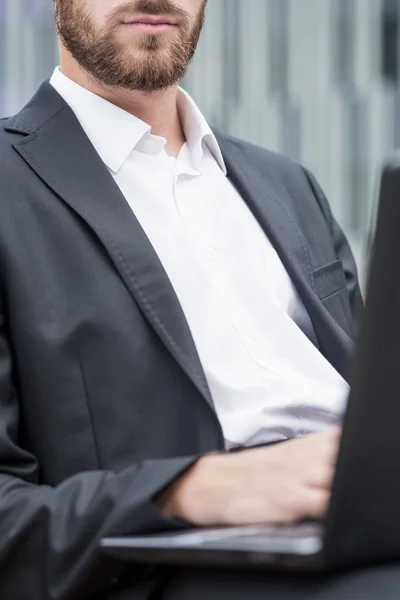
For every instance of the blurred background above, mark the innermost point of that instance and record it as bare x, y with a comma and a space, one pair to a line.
315, 79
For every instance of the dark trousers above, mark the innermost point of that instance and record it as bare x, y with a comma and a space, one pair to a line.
373, 583
379, 583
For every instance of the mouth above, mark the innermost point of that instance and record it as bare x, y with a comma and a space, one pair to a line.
151, 24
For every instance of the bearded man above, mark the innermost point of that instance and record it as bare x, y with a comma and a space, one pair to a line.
169, 296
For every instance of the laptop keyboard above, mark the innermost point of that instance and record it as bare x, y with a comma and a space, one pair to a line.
272, 538
284, 531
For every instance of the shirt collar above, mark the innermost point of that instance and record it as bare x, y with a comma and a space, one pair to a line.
114, 132
197, 131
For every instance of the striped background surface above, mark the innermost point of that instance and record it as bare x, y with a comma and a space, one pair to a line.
315, 79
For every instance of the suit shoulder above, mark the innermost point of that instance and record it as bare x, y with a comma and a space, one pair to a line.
7, 138
265, 159
3, 132
11, 167
282, 175
277, 169
3, 121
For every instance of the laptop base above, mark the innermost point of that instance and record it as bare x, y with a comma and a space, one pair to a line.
286, 547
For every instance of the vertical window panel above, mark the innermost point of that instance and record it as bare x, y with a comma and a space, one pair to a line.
344, 49
278, 47
231, 49
390, 41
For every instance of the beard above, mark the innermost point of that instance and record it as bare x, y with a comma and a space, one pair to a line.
145, 63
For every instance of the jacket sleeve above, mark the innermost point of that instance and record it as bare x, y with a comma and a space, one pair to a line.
49, 536
342, 247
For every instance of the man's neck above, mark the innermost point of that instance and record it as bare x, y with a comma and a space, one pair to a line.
158, 109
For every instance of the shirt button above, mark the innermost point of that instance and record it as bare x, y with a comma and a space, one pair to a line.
254, 333
211, 254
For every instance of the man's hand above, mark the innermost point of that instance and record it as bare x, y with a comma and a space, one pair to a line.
280, 484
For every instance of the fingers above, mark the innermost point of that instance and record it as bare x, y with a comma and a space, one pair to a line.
315, 502
329, 438
321, 476
331, 435
295, 484
324, 445
331, 445
321, 469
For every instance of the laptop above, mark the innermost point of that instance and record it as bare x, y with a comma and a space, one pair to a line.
363, 521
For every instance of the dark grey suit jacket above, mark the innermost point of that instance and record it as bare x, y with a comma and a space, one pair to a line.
103, 400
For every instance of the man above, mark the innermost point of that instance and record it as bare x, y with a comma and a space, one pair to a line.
169, 296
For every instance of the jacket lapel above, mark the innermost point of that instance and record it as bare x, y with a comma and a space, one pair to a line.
271, 213
57, 149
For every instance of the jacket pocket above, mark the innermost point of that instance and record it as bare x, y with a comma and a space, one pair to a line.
329, 279
330, 283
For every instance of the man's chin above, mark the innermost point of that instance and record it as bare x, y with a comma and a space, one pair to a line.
140, 79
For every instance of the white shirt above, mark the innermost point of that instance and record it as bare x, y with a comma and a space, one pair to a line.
267, 380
